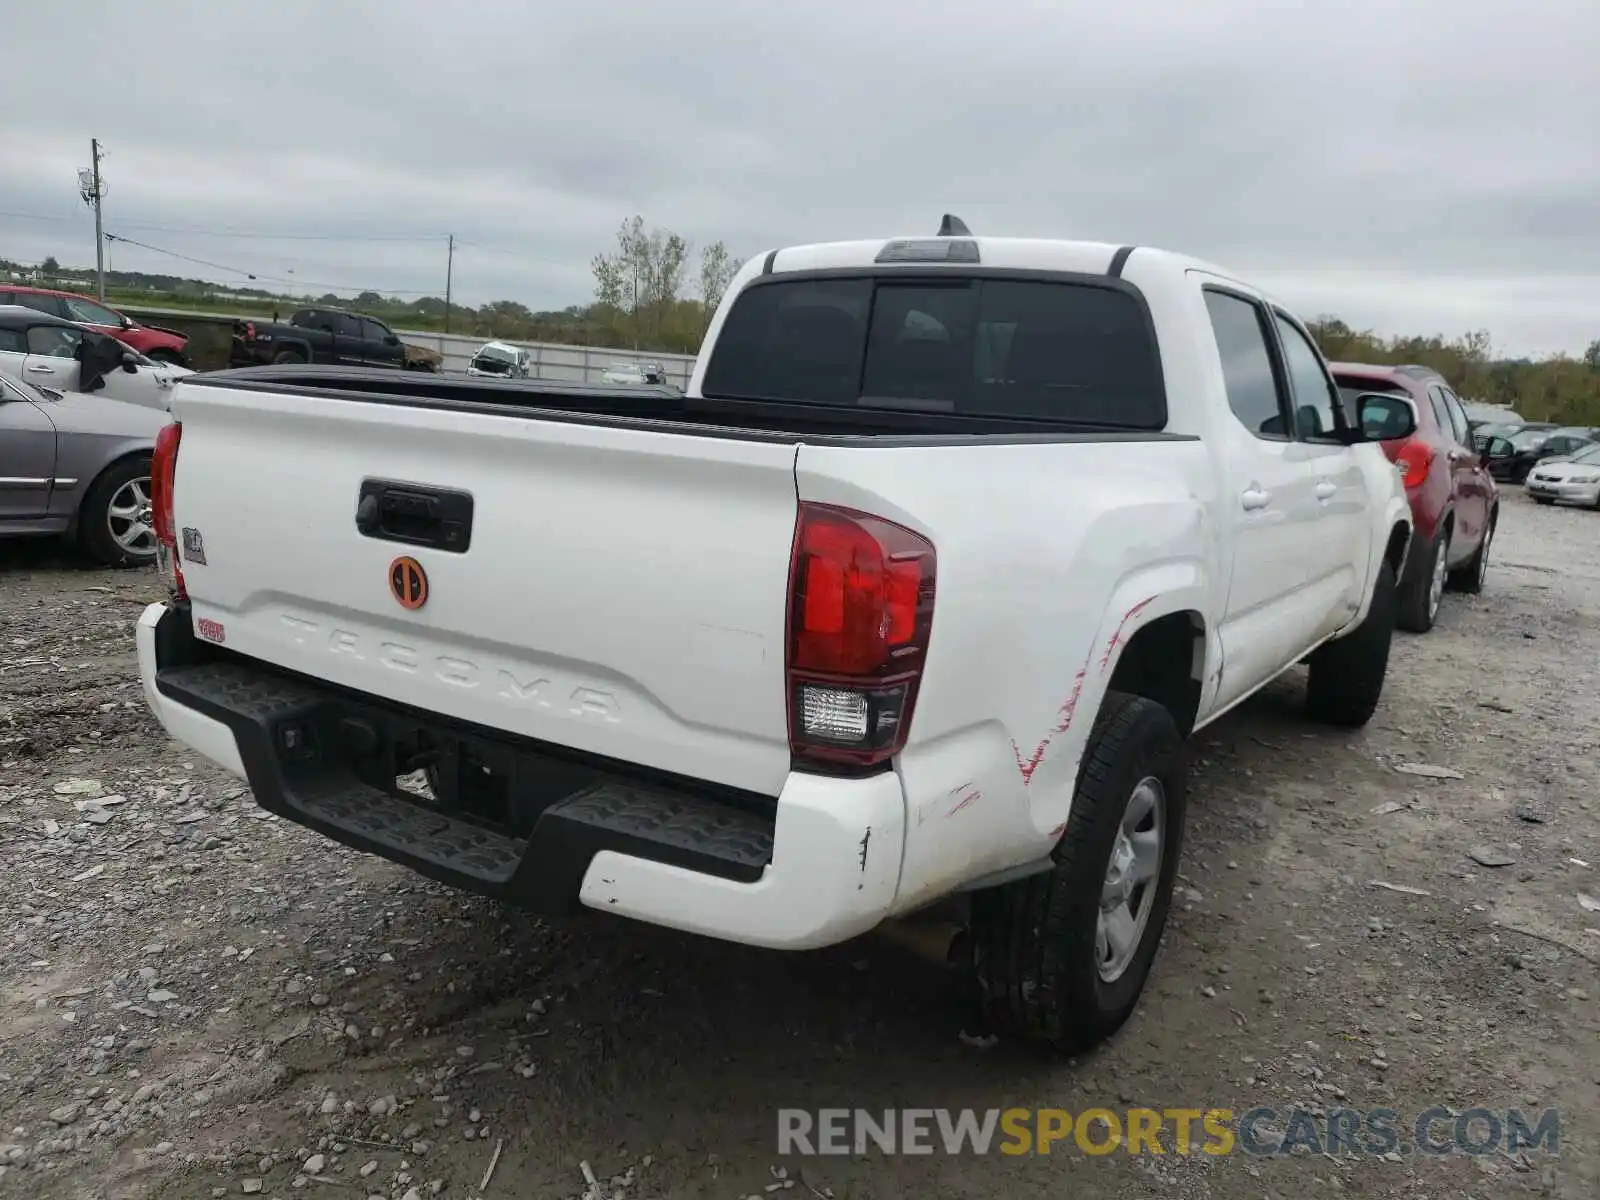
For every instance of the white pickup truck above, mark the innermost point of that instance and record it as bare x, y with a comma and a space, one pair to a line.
913, 594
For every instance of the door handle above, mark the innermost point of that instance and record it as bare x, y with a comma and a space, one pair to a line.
41, 370
1325, 490
1255, 497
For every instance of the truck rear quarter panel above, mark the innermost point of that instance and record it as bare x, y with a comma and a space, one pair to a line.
1050, 558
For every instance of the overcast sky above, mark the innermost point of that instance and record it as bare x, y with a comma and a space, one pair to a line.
1413, 165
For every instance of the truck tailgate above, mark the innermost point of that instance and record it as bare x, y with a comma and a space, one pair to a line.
623, 592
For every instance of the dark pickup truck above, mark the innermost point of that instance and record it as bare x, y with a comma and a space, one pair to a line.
326, 335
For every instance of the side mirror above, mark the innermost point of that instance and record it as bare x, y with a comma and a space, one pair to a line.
1499, 447
1384, 418
391, 340
130, 364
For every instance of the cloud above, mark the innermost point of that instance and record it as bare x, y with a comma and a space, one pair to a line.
1417, 167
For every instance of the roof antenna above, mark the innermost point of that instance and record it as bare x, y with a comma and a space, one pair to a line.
953, 226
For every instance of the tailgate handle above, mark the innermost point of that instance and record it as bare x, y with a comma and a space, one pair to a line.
415, 514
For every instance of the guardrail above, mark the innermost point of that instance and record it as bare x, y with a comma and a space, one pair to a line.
211, 334
551, 360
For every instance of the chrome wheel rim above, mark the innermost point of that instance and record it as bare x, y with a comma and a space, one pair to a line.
130, 518
1128, 894
1436, 583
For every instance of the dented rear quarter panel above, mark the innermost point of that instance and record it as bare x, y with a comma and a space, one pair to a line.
1050, 558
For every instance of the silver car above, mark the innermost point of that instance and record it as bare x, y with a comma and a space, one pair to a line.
1574, 478
80, 466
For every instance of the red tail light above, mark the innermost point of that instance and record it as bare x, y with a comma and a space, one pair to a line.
860, 611
1412, 460
163, 470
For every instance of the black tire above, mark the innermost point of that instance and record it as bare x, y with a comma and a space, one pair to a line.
1543, 500
286, 357
1346, 676
1417, 608
94, 515
1034, 952
1469, 576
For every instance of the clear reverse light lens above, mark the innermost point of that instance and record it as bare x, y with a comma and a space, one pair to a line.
834, 714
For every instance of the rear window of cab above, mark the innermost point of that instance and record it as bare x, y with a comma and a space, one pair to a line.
1061, 352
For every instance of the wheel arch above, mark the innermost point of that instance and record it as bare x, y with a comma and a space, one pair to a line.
1399, 544
1165, 661
86, 489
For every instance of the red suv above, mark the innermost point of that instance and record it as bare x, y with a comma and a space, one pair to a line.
1454, 500
163, 345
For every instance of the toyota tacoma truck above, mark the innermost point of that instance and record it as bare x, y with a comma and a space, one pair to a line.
913, 595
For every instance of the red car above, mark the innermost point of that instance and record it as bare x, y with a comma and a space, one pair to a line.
163, 345
1454, 500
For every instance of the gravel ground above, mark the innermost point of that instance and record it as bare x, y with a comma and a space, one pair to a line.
202, 1000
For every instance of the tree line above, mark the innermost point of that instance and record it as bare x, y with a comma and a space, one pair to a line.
1556, 388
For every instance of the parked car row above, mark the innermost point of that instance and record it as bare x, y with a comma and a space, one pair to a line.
1512, 457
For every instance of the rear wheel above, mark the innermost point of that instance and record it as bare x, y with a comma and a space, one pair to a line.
1421, 596
285, 357
1347, 673
1062, 957
116, 523
1469, 576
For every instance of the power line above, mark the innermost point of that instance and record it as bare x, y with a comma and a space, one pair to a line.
247, 235
16, 216
259, 277
254, 235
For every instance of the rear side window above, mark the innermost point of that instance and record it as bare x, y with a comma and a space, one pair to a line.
54, 341
985, 347
44, 304
1246, 364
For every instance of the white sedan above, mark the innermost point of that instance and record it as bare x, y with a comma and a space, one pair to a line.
49, 352
1575, 478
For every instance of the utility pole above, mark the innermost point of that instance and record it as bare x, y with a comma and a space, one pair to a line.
449, 277
93, 189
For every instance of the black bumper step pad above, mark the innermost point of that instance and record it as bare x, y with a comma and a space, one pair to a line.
281, 722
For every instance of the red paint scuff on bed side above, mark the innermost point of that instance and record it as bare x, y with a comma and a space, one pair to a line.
1027, 766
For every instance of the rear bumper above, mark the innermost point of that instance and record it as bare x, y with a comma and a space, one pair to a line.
818, 866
